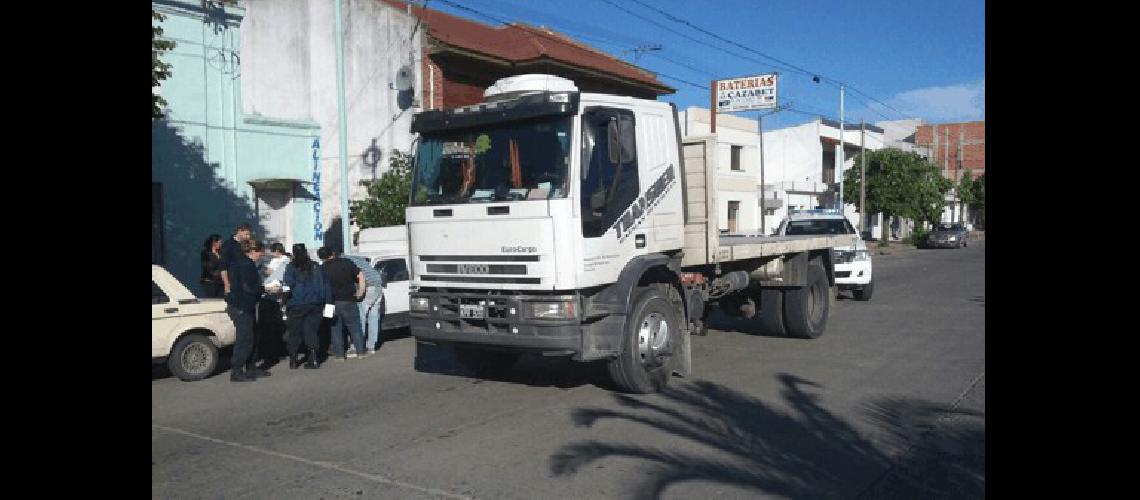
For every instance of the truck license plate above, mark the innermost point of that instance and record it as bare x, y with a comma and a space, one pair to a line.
470, 311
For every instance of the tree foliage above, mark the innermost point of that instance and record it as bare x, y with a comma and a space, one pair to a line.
159, 70
899, 183
387, 196
965, 188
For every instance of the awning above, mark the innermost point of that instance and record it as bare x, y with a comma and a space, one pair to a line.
278, 182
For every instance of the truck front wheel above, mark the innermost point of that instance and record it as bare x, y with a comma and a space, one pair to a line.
652, 334
806, 308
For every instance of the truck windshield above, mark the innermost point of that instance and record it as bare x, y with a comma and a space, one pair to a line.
525, 160
820, 226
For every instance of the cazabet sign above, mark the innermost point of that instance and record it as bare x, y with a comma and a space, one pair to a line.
742, 94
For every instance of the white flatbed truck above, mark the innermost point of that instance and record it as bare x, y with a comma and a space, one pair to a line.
577, 224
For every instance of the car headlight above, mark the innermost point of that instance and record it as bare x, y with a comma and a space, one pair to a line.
419, 304
562, 309
862, 255
951, 238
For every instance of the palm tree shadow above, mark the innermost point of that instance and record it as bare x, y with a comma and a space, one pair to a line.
807, 452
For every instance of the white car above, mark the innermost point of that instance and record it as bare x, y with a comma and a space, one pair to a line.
386, 248
852, 263
186, 331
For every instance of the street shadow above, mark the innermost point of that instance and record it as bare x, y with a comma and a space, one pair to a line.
531, 369
945, 450
807, 452
196, 202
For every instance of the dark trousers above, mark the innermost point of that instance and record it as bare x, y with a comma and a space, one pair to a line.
212, 290
244, 341
303, 322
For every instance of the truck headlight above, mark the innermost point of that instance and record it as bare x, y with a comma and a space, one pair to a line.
419, 304
862, 255
562, 309
951, 238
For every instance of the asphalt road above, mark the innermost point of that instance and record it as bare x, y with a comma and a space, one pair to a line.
889, 403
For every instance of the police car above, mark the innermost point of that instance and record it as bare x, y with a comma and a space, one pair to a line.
852, 263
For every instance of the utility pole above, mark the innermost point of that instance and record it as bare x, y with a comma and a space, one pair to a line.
342, 119
862, 177
763, 204
712, 107
946, 159
839, 157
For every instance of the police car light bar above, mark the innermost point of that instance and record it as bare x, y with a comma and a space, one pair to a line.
817, 211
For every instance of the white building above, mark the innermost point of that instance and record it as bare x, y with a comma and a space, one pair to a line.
800, 163
289, 75
739, 161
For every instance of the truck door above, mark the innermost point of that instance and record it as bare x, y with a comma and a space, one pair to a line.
610, 191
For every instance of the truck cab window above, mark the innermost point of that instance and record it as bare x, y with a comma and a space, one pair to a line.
609, 168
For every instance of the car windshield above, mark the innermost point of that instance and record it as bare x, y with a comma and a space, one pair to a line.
525, 160
820, 226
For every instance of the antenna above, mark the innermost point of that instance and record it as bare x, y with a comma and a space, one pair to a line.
640, 50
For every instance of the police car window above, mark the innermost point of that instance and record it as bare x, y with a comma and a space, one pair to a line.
157, 296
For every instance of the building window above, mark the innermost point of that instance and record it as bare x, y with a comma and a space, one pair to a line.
736, 157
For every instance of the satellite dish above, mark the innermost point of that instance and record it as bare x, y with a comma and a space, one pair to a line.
404, 78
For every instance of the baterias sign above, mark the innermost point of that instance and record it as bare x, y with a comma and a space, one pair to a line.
743, 94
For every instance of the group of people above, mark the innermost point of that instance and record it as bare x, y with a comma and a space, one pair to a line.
343, 289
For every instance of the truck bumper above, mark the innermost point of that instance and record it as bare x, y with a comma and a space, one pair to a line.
853, 274
506, 326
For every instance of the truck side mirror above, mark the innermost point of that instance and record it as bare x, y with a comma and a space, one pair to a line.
613, 141
628, 140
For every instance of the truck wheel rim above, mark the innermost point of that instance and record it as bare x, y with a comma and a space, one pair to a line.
651, 337
815, 303
195, 358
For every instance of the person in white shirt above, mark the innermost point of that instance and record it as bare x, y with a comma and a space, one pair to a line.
275, 270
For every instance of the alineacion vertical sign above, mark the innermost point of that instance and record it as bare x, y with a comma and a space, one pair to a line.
318, 228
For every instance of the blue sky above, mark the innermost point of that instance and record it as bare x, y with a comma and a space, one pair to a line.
924, 59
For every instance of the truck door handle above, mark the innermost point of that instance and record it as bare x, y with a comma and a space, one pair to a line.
170, 310
639, 241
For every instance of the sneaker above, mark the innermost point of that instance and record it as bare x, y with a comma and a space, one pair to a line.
367, 353
352, 355
351, 350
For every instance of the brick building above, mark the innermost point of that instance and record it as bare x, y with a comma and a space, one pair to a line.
955, 147
463, 57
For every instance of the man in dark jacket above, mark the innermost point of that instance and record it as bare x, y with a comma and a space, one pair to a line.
231, 252
309, 291
347, 283
241, 305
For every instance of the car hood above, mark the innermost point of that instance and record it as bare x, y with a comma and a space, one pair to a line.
943, 234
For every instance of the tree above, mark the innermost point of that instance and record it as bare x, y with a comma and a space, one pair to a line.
965, 190
387, 196
899, 183
978, 204
159, 70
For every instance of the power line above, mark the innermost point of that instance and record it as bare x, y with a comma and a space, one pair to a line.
791, 66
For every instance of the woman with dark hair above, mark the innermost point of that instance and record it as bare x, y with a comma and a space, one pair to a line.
308, 292
211, 259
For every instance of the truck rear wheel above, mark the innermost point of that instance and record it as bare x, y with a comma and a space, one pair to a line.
772, 312
485, 361
806, 308
652, 332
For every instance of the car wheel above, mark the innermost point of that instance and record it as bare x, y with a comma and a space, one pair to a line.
806, 308
194, 357
652, 334
864, 294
